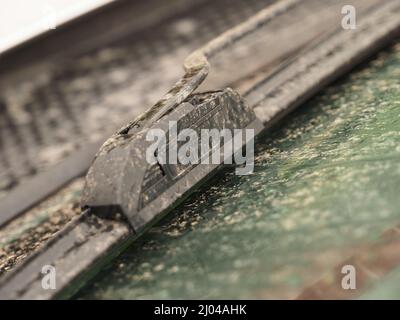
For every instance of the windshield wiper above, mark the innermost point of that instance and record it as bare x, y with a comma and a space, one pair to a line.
124, 195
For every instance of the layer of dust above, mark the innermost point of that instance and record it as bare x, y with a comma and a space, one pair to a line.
28, 233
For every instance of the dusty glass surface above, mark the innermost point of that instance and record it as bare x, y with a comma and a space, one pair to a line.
325, 182
387, 290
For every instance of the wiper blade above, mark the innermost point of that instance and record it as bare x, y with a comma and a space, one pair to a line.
98, 235
121, 180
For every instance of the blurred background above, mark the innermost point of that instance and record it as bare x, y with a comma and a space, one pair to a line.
326, 182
